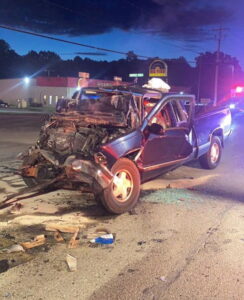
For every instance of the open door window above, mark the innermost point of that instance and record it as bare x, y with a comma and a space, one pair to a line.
167, 134
182, 111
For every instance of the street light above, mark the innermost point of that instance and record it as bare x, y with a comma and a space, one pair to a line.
27, 80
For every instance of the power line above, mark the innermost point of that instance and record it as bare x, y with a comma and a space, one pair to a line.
185, 48
75, 43
69, 42
131, 4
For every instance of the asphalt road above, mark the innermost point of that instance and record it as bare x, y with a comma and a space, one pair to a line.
181, 242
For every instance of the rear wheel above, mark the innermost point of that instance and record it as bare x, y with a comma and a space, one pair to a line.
123, 192
211, 159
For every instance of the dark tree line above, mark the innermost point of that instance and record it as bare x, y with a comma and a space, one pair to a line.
200, 78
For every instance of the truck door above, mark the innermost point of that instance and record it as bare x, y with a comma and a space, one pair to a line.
167, 137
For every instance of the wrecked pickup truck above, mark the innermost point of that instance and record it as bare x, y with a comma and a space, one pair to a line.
110, 140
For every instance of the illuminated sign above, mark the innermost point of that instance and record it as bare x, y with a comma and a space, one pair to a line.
136, 75
116, 78
82, 82
158, 68
84, 75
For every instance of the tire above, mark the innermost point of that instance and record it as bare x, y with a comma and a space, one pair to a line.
32, 181
116, 198
211, 159
29, 181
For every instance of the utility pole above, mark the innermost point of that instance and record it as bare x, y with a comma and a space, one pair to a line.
220, 31
199, 78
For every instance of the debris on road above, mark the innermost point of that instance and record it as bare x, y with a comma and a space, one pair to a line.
4, 265
103, 239
57, 236
163, 278
176, 196
98, 232
71, 262
141, 243
16, 208
133, 212
38, 241
30, 191
158, 240
74, 241
132, 270
14, 248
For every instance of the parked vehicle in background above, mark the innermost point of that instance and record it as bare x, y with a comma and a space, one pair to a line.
235, 101
110, 140
3, 104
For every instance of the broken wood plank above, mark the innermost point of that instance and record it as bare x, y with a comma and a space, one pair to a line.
74, 241
58, 237
61, 228
38, 241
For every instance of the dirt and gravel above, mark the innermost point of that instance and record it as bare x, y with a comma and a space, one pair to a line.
184, 240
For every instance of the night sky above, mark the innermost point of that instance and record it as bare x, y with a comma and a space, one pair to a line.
163, 28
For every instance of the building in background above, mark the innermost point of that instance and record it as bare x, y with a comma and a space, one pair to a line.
46, 91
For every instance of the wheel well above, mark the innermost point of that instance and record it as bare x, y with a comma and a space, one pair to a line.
132, 154
219, 133
133, 157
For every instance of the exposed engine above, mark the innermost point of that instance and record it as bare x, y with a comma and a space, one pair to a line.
64, 137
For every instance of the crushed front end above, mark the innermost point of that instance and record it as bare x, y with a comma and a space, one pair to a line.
69, 143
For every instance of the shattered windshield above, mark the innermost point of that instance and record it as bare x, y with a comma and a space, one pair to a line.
91, 102
97, 103
109, 107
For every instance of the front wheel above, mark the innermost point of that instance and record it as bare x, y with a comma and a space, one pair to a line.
123, 192
211, 159
43, 172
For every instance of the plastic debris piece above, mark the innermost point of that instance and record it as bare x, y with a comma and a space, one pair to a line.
163, 278
71, 262
103, 239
